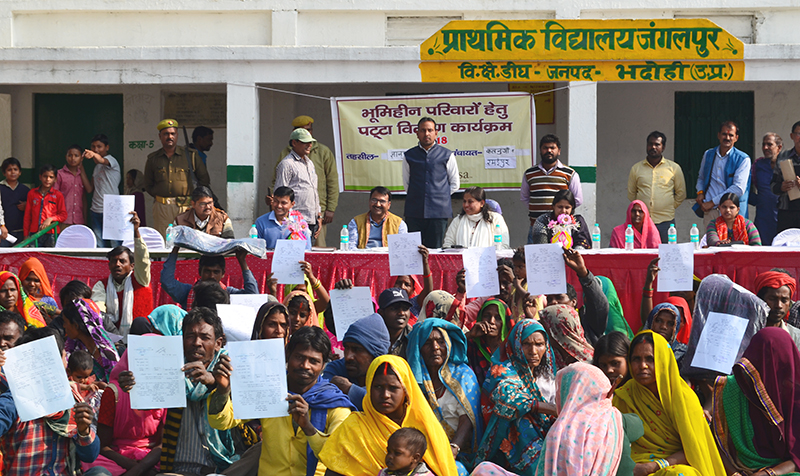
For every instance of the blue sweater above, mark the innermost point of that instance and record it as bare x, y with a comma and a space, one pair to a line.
179, 292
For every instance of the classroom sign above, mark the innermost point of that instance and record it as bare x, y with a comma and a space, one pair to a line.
491, 135
582, 50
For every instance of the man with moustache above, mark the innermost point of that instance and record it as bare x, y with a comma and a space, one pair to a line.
369, 230
762, 196
541, 183
365, 339
316, 408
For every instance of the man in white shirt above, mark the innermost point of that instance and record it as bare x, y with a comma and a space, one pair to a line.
106, 177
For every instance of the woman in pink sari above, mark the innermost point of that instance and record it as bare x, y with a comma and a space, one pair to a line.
129, 439
645, 233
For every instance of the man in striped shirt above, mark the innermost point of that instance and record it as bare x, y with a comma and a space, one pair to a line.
542, 182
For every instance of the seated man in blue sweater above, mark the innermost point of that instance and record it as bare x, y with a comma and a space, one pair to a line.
210, 268
43, 446
365, 339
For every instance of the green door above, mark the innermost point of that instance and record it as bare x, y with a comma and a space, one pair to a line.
698, 116
65, 119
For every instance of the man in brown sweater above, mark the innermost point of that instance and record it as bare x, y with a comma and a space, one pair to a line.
204, 217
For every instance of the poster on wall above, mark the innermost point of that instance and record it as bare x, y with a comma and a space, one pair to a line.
491, 134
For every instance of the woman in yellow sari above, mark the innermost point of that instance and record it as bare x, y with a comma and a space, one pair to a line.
677, 439
358, 446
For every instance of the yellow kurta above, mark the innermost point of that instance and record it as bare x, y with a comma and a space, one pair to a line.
283, 447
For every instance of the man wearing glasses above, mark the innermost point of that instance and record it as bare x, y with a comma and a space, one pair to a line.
204, 217
370, 229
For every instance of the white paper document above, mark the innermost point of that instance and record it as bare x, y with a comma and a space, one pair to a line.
37, 379
258, 381
237, 321
250, 300
117, 217
404, 257
545, 269
156, 363
677, 267
481, 272
350, 305
286, 261
719, 342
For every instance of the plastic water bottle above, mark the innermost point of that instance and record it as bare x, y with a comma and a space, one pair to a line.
344, 239
629, 238
596, 237
498, 237
170, 237
253, 231
672, 234
694, 236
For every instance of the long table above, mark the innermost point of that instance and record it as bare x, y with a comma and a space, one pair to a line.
625, 269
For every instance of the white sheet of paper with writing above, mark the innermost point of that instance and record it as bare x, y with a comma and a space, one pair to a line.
250, 300
286, 261
677, 267
545, 269
237, 321
719, 342
500, 157
156, 363
350, 305
404, 257
258, 382
37, 379
117, 217
481, 272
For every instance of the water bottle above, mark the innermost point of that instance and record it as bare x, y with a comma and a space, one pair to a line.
498, 237
344, 239
596, 237
694, 236
253, 232
672, 234
629, 238
170, 237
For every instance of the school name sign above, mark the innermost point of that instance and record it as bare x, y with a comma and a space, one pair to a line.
489, 133
582, 50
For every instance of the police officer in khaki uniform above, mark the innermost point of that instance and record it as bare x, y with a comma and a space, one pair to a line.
168, 178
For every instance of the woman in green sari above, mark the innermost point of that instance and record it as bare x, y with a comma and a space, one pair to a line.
756, 411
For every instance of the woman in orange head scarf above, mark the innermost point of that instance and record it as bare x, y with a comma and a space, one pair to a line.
13, 298
35, 282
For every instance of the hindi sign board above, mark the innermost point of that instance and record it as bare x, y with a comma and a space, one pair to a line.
371, 134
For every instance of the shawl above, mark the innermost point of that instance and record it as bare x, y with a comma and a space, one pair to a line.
648, 238
674, 419
769, 362
321, 397
564, 326
512, 429
587, 437
358, 446
774, 279
739, 229
138, 182
679, 349
112, 302
717, 293
616, 318
442, 305
472, 231
90, 315
505, 315
455, 374
167, 320
682, 335
33, 265
25, 305
312, 320
265, 310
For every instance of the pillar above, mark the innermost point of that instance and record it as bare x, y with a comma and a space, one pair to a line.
242, 169
582, 139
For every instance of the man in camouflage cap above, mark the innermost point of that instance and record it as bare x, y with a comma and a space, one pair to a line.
170, 175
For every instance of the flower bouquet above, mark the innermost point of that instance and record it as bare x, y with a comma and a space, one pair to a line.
562, 228
297, 226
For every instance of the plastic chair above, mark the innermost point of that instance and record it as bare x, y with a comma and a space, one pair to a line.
152, 238
77, 236
789, 237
